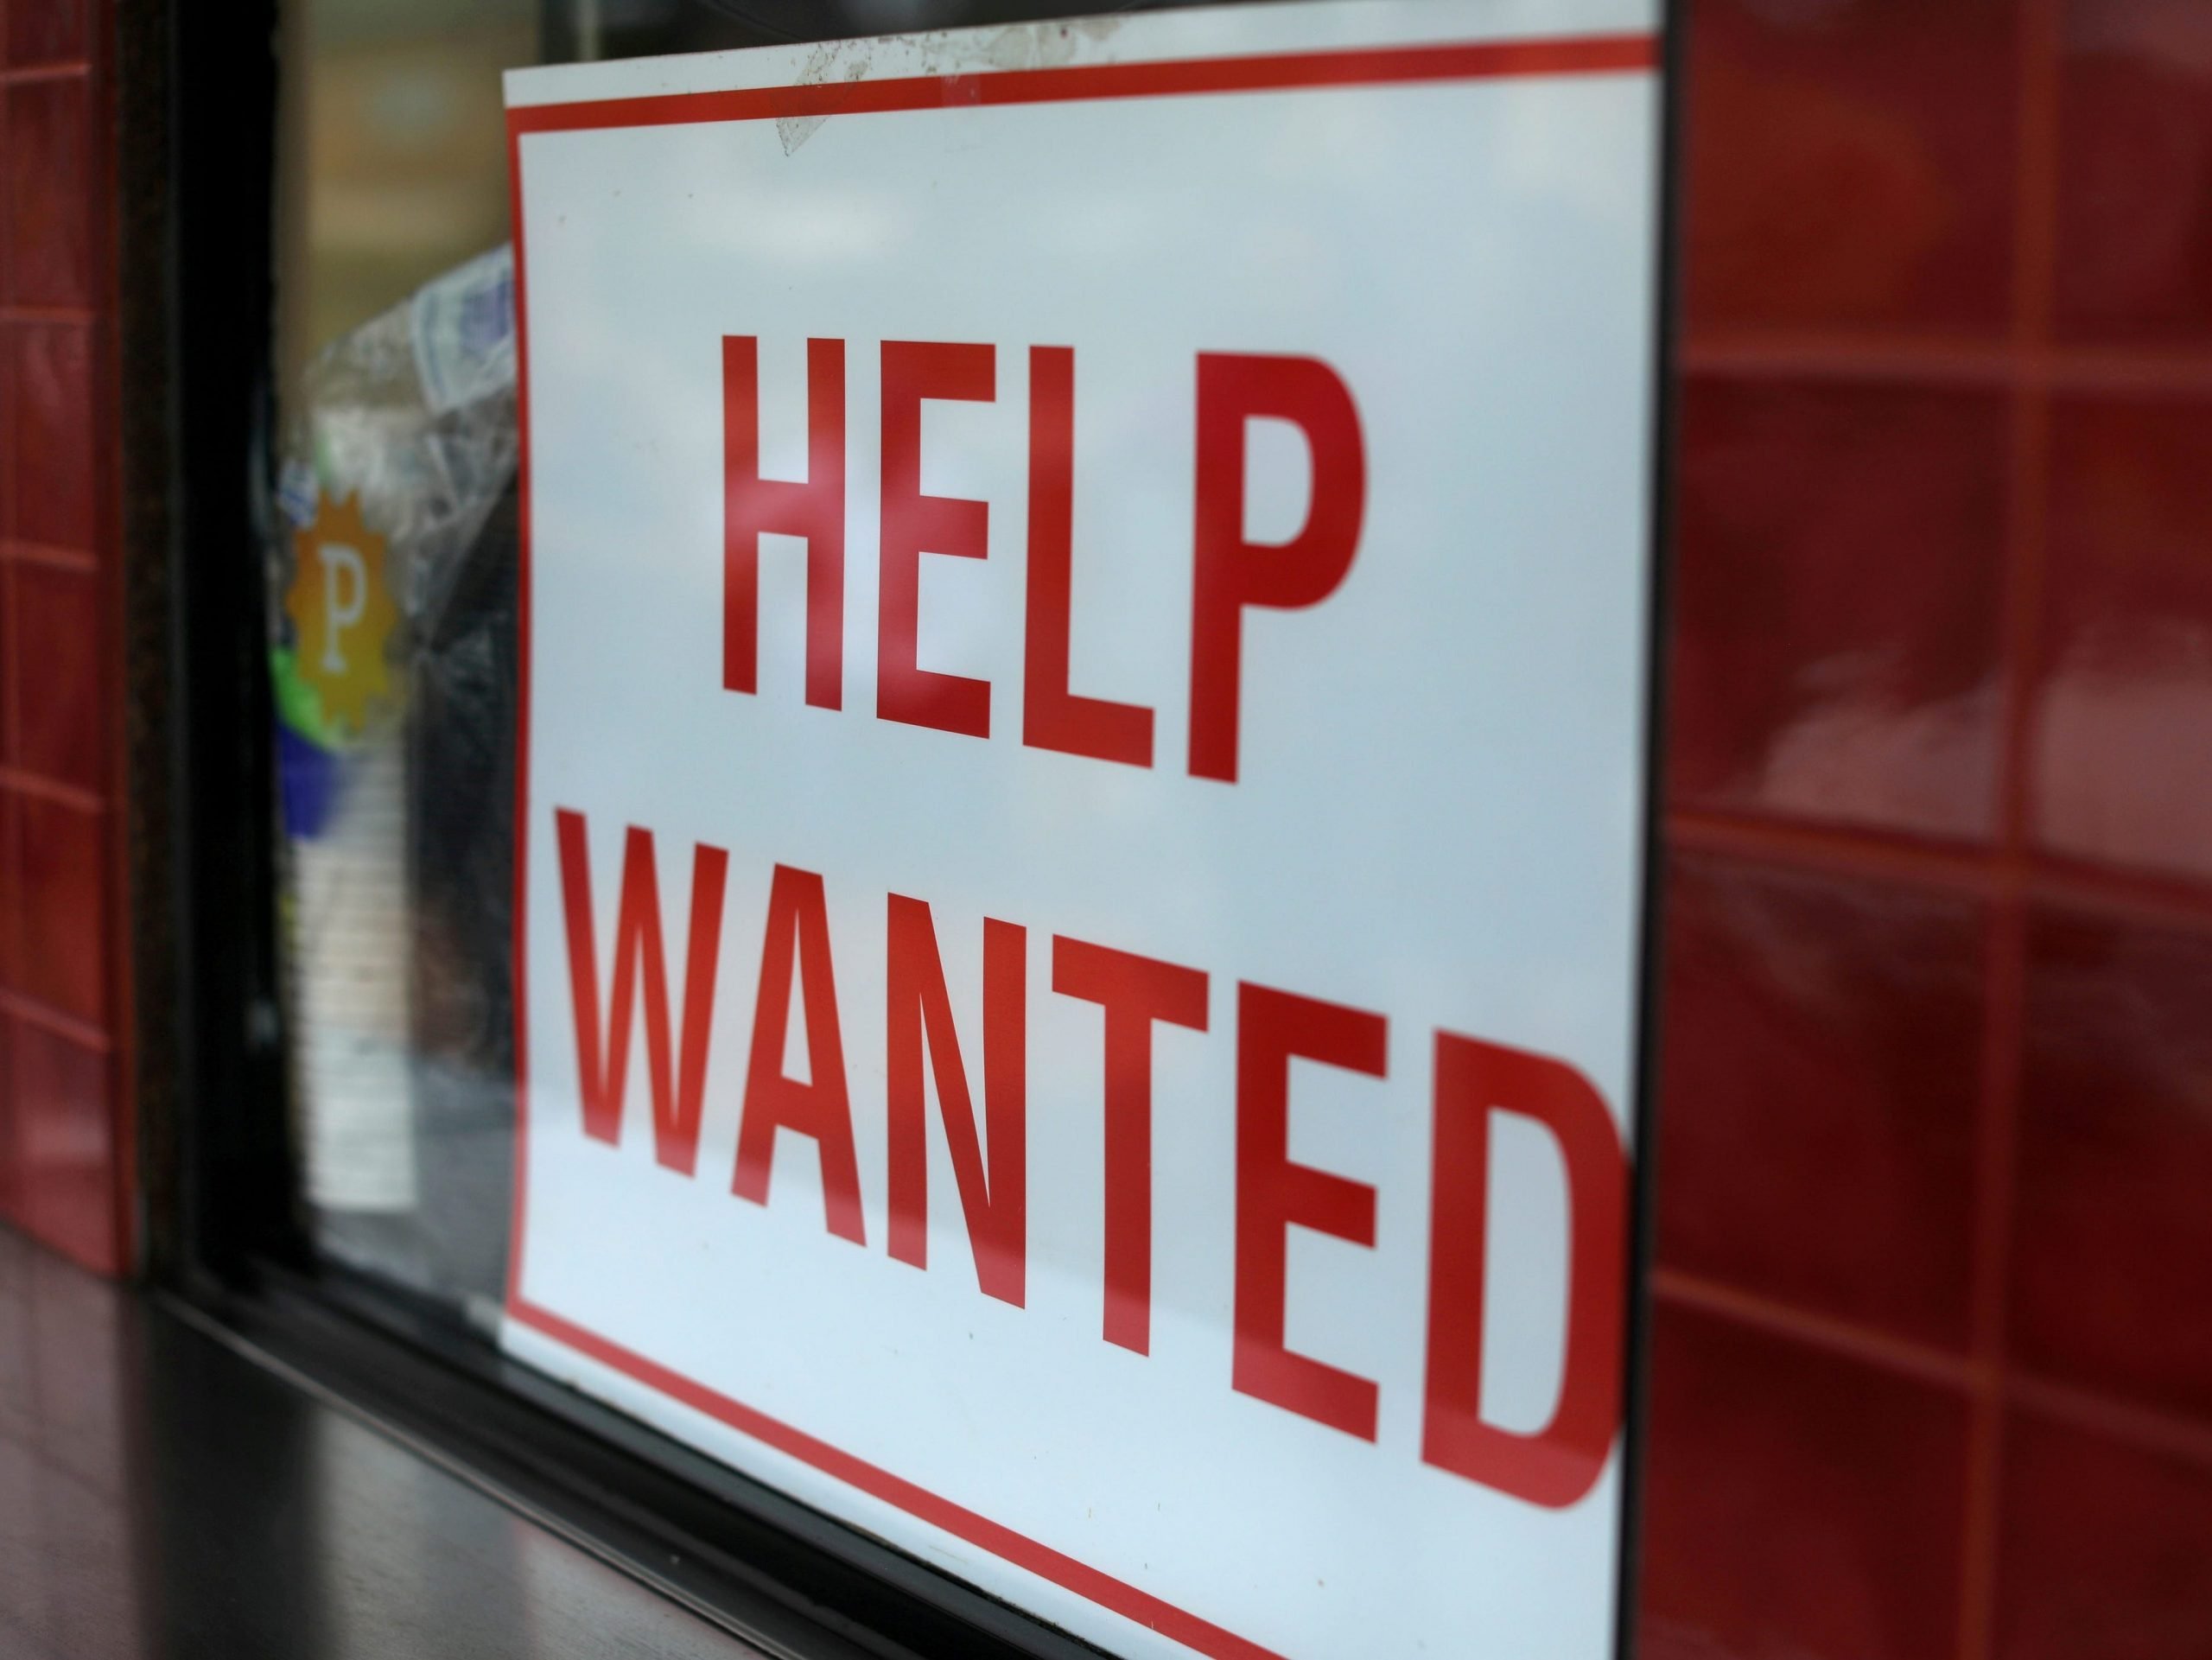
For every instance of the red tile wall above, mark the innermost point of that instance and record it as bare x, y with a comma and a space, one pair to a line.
65, 1134
1932, 1349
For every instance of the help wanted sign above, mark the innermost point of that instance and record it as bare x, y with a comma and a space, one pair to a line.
1086, 604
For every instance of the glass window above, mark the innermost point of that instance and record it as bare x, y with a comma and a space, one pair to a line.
1407, 300
390, 565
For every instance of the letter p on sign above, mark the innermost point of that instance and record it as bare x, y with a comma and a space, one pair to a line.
345, 598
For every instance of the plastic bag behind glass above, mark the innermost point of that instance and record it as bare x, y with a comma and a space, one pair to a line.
393, 655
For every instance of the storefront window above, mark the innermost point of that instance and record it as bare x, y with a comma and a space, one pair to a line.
956, 1022
391, 590
390, 561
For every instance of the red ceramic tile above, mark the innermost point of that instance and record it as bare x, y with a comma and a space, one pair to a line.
62, 925
7, 645
48, 162
46, 31
67, 1146
1818, 1102
2113, 1247
2106, 1552
57, 684
1850, 163
2135, 172
11, 349
1836, 626
11, 1186
50, 415
2124, 699
1795, 1503
10, 852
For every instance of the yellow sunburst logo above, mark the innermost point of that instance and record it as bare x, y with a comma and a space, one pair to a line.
342, 613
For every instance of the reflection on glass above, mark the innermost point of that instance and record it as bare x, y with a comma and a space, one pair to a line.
390, 547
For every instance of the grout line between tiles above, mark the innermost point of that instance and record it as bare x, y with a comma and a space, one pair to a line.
11, 689
33, 1011
15, 551
41, 788
1900, 1355
32, 74
2145, 1429
1964, 872
1906, 361
34, 316
1960, 871
2146, 900
1997, 1113
2004, 1012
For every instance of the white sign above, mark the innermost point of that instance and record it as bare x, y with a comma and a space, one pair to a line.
1086, 604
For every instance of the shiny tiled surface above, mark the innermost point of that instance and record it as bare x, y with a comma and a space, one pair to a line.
61, 1112
50, 163
1931, 1374
161, 1496
2125, 668
58, 694
2112, 1288
40, 33
61, 940
2135, 221
50, 417
64, 1140
1836, 652
1849, 162
1795, 1507
2103, 1549
1821, 1085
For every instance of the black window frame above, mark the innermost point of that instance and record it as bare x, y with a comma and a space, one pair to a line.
225, 1241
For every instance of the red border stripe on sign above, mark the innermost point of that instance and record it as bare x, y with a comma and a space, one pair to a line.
1586, 54
879, 1483
1458, 62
